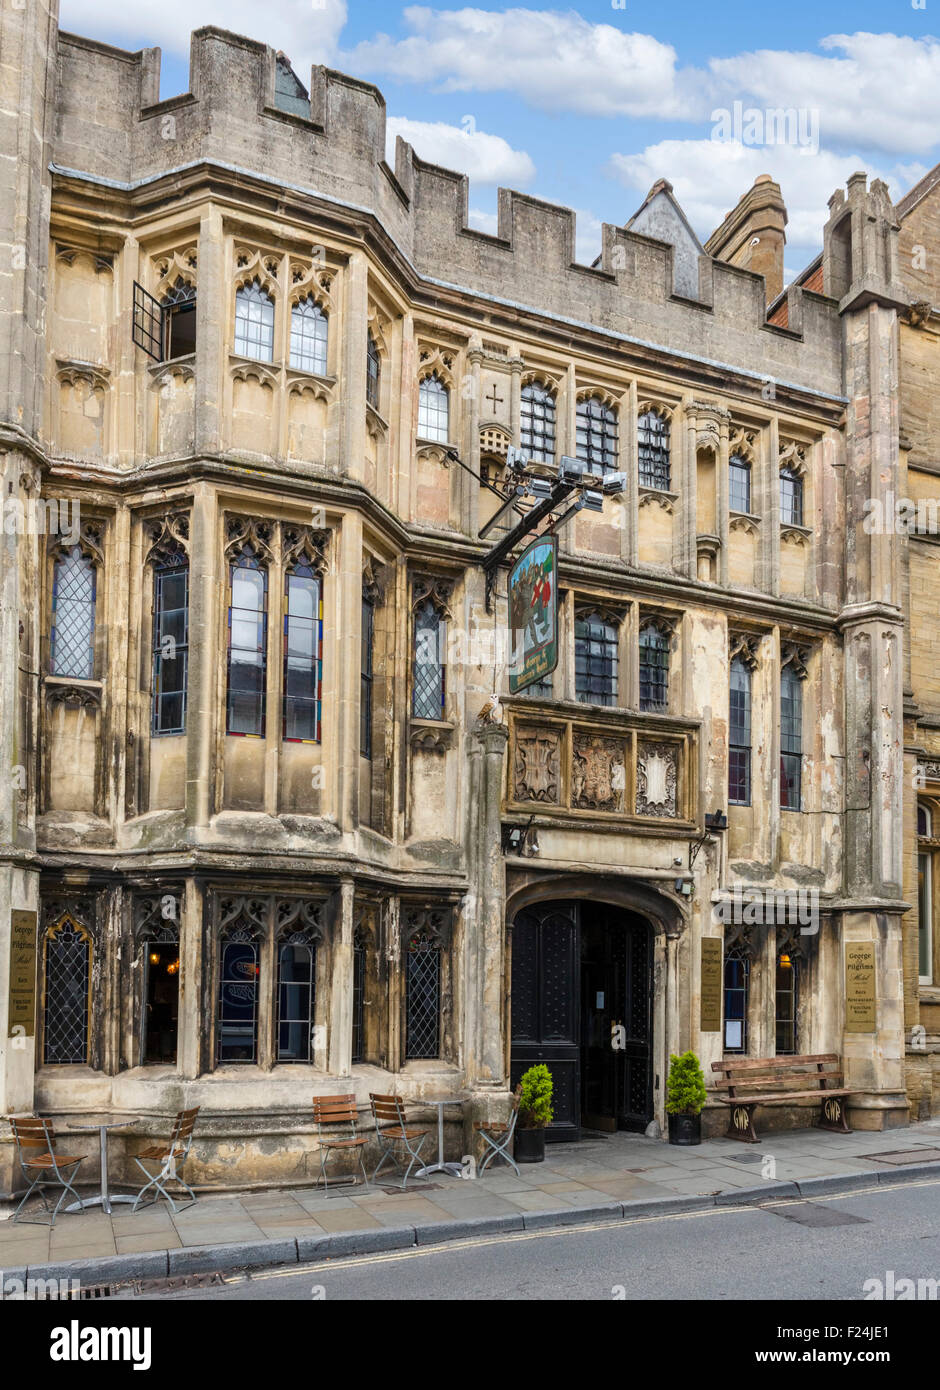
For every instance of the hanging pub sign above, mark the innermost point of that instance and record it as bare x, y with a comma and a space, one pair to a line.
533, 614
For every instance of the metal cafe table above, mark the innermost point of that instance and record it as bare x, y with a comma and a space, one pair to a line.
105, 1198
440, 1166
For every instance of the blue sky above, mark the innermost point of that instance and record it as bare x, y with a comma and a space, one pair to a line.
587, 105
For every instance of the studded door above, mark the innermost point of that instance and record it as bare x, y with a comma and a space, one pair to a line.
546, 993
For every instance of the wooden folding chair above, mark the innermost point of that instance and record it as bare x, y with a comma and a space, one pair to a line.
391, 1129
170, 1158
41, 1166
338, 1113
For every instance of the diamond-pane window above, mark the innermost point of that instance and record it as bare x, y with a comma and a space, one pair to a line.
429, 672
67, 976
653, 450
597, 435
254, 323
537, 427
309, 334
654, 668
423, 996
433, 410
73, 616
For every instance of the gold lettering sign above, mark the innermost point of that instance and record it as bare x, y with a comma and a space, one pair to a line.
860, 987
711, 985
22, 1013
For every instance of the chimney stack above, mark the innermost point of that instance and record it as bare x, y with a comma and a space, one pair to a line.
752, 235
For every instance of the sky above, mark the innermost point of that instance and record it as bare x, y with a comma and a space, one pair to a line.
587, 106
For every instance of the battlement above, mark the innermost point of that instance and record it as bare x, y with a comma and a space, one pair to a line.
112, 126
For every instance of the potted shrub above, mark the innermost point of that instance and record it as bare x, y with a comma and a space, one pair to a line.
534, 1099
685, 1099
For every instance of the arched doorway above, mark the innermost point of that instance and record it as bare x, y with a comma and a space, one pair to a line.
581, 1002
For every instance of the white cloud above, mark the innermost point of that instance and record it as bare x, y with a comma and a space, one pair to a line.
306, 31
709, 177
485, 158
555, 61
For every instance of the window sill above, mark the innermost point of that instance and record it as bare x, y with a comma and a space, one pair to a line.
433, 735
789, 528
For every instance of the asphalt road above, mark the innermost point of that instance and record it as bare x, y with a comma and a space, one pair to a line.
824, 1249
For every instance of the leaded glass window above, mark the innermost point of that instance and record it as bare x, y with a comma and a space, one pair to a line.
239, 971
373, 372
170, 645
597, 435
596, 658
739, 737
359, 996
791, 498
254, 323
296, 998
423, 996
73, 615
367, 639
67, 983
433, 410
179, 320
309, 334
654, 668
247, 646
653, 450
537, 428
737, 983
739, 485
787, 986
791, 739
429, 675
303, 655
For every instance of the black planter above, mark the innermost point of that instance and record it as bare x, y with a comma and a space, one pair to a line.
529, 1145
685, 1129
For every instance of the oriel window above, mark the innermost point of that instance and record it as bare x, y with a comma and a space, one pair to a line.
537, 427
247, 646
791, 739
254, 323
596, 659
303, 655
309, 333
739, 485
791, 498
653, 450
654, 668
73, 616
739, 734
429, 683
170, 645
433, 410
597, 435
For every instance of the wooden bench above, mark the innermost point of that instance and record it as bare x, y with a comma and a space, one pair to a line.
753, 1081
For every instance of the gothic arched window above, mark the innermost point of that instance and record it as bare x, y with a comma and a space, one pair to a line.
73, 615
652, 434
254, 322
597, 435
654, 668
66, 996
537, 428
247, 645
433, 410
309, 335
303, 654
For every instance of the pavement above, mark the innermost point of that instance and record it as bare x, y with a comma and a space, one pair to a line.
603, 1177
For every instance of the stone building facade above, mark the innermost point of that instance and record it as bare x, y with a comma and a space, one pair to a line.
253, 827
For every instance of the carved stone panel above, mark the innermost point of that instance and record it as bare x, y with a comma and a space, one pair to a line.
598, 774
537, 765
657, 778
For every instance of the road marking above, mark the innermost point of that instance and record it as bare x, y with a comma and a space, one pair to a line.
497, 1238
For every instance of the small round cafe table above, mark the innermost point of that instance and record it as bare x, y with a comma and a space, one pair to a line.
105, 1198
440, 1166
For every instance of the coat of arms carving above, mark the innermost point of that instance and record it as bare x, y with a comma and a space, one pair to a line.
537, 766
656, 779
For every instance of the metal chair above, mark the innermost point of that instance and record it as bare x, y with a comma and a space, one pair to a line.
391, 1128
499, 1136
170, 1158
338, 1112
35, 1148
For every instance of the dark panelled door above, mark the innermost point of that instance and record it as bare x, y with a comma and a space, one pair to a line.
635, 1083
616, 1059
546, 994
